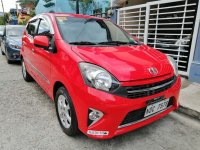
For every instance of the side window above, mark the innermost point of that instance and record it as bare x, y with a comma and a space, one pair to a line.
32, 28
43, 27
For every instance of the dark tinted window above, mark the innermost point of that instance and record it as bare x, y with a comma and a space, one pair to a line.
32, 28
43, 27
91, 30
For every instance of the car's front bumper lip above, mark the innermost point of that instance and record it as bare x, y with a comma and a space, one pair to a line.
143, 119
115, 108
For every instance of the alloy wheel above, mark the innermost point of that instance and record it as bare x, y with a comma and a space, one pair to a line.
64, 111
23, 69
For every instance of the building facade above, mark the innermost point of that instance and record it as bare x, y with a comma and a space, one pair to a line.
195, 66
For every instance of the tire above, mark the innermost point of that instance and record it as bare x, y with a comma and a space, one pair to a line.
9, 61
2, 53
27, 77
66, 113
6, 53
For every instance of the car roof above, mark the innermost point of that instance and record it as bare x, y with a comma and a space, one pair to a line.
10, 26
72, 15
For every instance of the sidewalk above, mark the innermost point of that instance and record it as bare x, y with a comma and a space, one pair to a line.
190, 98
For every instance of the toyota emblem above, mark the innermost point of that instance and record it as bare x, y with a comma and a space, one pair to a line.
153, 71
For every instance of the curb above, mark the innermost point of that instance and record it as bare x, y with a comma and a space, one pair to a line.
188, 111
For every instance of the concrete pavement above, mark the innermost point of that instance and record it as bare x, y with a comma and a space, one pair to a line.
190, 98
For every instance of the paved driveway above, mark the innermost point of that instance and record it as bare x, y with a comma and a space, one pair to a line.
28, 121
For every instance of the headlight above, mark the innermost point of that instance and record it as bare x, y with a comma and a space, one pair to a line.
14, 46
174, 65
98, 77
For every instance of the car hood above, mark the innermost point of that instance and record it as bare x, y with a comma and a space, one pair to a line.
126, 63
16, 40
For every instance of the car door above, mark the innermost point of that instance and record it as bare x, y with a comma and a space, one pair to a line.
42, 58
28, 46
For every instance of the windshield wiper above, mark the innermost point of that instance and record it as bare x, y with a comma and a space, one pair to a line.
82, 43
117, 43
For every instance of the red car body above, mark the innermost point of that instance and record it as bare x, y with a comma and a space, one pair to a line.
128, 64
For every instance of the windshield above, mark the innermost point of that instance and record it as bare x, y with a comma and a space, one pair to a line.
15, 31
92, 31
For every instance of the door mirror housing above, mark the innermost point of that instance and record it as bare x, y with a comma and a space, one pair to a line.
41, 41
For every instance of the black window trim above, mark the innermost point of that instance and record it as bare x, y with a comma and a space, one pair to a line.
34, 20
49, 23
40, 19
49, 26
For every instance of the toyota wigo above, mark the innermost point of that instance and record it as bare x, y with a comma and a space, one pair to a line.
103, 80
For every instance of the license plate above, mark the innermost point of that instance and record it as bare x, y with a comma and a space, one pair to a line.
156, 107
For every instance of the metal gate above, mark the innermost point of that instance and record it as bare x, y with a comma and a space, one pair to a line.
169, 26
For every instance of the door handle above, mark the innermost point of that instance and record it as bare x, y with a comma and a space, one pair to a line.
33, 50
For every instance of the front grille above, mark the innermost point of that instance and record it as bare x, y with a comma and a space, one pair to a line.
146, 90
137, 115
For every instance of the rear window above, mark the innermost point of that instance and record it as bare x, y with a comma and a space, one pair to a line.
15, 31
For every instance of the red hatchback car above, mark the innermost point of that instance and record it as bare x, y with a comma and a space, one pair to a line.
103, 80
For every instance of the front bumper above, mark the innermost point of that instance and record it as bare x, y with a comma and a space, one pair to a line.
13, 54
115, 109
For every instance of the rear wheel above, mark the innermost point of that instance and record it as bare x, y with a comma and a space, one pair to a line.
66, 113
27, 77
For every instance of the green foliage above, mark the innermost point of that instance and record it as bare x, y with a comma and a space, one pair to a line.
47, 1
2, 22
32, 13
25, 2
49, 5
24, 22
4, 19
85, 5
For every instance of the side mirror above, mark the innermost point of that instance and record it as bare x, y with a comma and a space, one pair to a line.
41, 41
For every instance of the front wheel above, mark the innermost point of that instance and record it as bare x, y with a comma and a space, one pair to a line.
2, 53
27, 77
66, 113
9, 61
